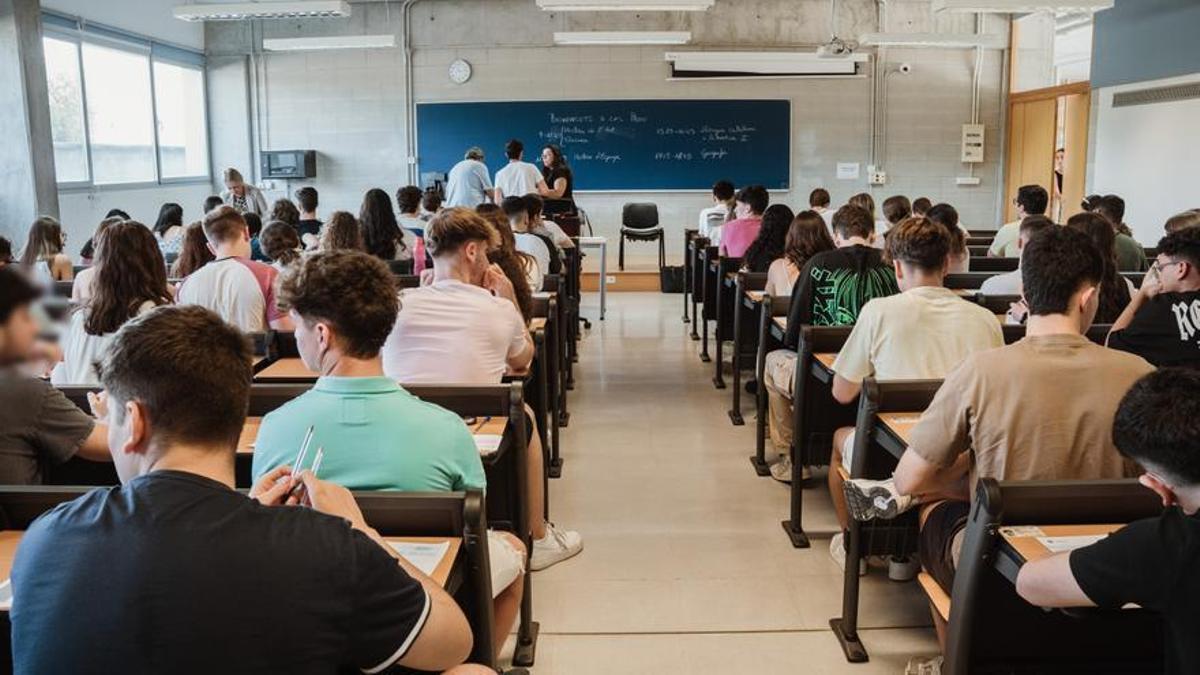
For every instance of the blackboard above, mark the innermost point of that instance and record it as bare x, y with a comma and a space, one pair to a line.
621, 145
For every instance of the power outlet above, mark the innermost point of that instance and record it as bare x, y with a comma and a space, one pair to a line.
878, 177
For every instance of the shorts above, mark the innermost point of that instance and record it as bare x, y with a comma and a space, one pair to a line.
941, 540
848, 451
507, 562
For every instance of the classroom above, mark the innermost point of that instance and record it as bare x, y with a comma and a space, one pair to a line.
571, 337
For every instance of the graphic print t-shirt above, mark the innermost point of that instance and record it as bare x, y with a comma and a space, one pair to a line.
1165, 331
834, 286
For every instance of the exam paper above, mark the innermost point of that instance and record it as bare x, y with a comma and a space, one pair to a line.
488, 443
1063, 544
424, 557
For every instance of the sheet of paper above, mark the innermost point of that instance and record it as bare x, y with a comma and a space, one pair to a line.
424, 557
1021, 531
488, 443
847, 170
1063, 544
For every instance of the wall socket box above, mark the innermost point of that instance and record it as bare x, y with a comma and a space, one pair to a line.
876, 175
972, 143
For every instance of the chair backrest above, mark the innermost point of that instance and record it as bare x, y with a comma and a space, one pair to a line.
1136, 277
816, 414
994, 264
399, 267
883, 397
640, 215
283, 345
20, 505
404, 281
714, 220
996, 304
551, 283
63, 289
967, 280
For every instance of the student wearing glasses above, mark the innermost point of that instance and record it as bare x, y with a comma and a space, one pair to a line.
1031, 200
1162, 321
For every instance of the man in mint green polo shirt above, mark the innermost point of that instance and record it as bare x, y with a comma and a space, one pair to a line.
376, 436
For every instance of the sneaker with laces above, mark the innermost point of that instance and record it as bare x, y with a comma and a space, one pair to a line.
927, 665
555, 547
782, 470
872, 499
837, 551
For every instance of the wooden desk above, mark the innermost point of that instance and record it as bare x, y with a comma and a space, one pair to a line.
1002, 318
826, 360
900, 423
781, 322
249, 435
537, 323
8, 551
1025, 543
489, 426
286, 370
486, 426
757, 296
966, 292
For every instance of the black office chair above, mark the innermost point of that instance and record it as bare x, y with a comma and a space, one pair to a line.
639, 222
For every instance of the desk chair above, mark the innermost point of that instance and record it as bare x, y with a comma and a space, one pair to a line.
745, 335
978, 251
993, 630
726, 301
989, 235
689, 236
63, 289
1136, 277
639, 222
996, 304
404, 281
770, 337
709, 282
547, 392
967, 280
695, 279
399, 267
993, 264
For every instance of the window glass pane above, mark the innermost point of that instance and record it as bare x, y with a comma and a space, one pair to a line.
66, 109
182, 142
120, 117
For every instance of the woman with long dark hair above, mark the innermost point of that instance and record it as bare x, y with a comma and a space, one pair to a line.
169, 229
560, 181
806, 237
131, 279
382, 235
81, 290
768, 245
1115, 290
194, 254
43, 258
517, 266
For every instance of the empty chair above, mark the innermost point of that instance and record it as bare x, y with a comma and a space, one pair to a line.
639, 222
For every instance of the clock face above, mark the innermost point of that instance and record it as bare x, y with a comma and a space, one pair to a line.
460, 71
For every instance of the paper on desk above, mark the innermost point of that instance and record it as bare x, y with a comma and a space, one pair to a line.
1063, 544
488, 443
424, 557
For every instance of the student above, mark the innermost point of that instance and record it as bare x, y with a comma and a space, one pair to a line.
281, 243
169, 229
1031, 200
831, 291
81, 288
1131, 257
431, 205
341, 233
991, 419
737, 234
309, 224
469, 183
382, 234
239, 290
1162, 321
1009, 283
922, 333
1115, 289
408, 200
255, 225
547, 229
218, 578
865, 201
818, 202
465, 328
526, 241
1151, 562
131, 279
895, 209
88, 252
284, 211
242, 196
768, 246
713, 218
518, 177
210, 202
806, 237
947, 216
43, 257
343, 305
194, 254
921, 206
520, 267
1182, 221
39, 426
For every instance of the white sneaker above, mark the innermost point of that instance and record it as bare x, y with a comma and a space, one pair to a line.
872, 499
555, 547
782, 470
837, 551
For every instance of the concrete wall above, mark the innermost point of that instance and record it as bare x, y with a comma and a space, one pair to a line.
349, 105
154, 18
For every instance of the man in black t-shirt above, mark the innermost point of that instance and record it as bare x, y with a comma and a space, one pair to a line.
176, 572
1151, 562
1162, 321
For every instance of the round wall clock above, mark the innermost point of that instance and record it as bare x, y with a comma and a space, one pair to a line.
460, 71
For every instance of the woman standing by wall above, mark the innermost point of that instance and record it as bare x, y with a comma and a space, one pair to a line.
242, 196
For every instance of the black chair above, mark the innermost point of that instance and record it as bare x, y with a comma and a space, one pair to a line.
994, 264
404, 281
967, 280
399, 267
770, 337
639, 222
63, 289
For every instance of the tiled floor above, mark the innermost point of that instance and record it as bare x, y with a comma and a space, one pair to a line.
686, 569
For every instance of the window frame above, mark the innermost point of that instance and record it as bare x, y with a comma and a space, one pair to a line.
56, 27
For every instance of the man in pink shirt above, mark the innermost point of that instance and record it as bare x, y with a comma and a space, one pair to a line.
737, 235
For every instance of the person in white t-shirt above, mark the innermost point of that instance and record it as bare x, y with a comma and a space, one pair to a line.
713, 218
527, 242
921, 333
469, 183
818, 201
519, 178
465, 327
1009, 283
130, 280
535, 206
239, 290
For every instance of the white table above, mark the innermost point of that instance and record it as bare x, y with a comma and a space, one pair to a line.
602, 244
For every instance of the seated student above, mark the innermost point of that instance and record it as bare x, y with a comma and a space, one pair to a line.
431, 204
1160, 324
1031, 200
737, 234
921, 206
378, 436
285, 211
831, 291
527, 242
194, 254
211, 202
547, 229
806, 237
1182, 221
221, 580
713, 218
239, 290
131, 280
1151, 562
408, 200
1115, 290
43, 258
466, 328
309, 225
1009, 283
39, 426
947, 216
520, 267
254, 224
865, 201
818, 202
169, 228
81, 288
895, 209
382, 234
281, 243
922, 333
1131, 257
1049, 419
341, 233
88, 252
768, 246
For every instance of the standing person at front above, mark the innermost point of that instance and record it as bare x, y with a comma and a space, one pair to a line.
469, 183
560, 181
242, 196
198, 578
519, 177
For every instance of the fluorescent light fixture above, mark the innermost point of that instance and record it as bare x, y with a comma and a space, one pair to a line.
1020, 6
626, 5
939, 40
243, 11
765, 63
623, 37
306, 44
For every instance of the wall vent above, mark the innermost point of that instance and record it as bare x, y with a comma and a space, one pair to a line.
1177, 92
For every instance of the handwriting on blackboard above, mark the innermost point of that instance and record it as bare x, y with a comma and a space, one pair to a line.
577, 133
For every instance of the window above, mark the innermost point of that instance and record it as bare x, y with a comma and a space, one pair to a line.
123, 109
182, 129
66, 110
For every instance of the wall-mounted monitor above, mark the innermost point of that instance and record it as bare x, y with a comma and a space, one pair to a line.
289, 164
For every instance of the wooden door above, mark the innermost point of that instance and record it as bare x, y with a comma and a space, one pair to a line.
1031, 144
1076, 111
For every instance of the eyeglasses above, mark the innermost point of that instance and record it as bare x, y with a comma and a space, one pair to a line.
1160, 266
